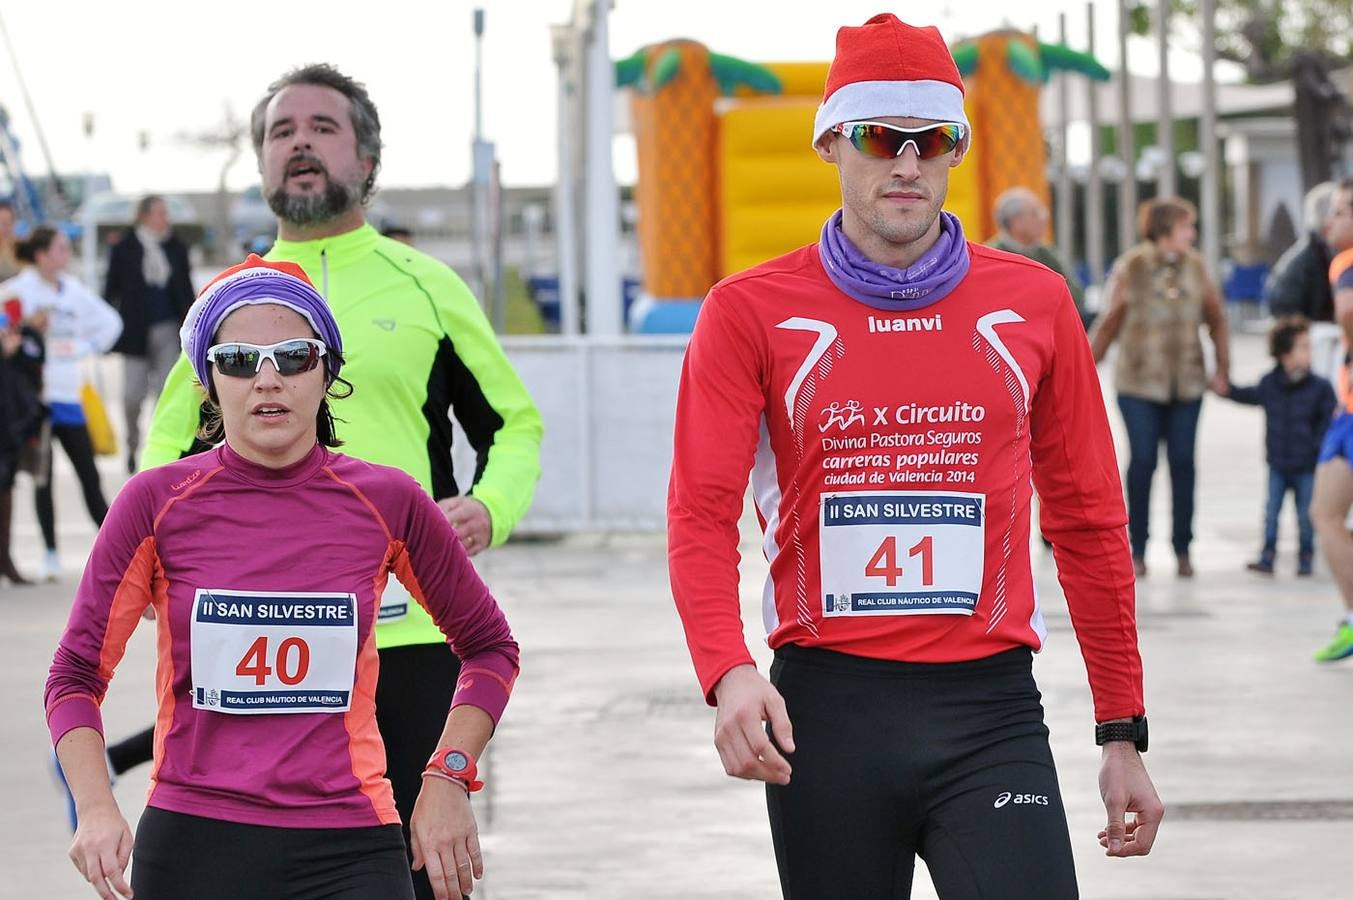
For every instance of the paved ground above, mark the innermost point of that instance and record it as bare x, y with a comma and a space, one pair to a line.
604, 783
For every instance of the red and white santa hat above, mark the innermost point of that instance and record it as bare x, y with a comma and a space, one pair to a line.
886, 67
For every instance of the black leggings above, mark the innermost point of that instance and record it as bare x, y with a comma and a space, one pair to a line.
893, 760
177, 856
413, 696
75, 441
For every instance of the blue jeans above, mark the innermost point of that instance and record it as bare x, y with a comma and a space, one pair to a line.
1300, 484
1149, 423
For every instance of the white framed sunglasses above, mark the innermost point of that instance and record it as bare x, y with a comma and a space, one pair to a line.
883, 141
240, 360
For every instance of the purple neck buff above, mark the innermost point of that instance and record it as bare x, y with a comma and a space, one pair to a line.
926, 281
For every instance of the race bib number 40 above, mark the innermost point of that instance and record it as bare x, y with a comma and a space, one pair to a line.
902, 553
259, 652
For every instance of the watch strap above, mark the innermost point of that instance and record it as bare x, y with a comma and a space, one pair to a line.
467, 777
1134, 732
458, 782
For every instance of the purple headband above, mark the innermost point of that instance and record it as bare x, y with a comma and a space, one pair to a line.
253, 286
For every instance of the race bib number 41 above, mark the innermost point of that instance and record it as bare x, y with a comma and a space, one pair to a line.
260, 652
902, 553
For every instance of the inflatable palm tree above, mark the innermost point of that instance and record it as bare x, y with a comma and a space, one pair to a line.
1002, 74
676, 84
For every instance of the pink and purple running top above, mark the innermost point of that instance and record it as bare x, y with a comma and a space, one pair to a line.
266, 585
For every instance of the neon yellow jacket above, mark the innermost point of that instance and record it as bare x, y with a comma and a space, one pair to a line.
417, 347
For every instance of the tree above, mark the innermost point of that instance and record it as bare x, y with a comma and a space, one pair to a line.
1265, 36
1274, 40
230, 135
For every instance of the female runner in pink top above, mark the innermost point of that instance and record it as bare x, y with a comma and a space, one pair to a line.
264, 561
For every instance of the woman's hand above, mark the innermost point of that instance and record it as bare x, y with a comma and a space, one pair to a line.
445, 838
102, 849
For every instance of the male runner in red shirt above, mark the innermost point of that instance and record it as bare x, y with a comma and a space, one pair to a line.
892, 391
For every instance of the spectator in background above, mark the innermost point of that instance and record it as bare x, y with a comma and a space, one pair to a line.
1023, 220
1159, 296
149, 285
1298, 406
74, 322
9, 261
20, 418
11, 383
1299, 284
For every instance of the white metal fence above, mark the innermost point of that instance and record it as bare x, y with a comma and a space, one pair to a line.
608, 405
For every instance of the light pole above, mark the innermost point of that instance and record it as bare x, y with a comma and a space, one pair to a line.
482, 162
478, 69
602, 209
565, 218
1094, 185
1127, 149
1207, 136
89, 229
1066, 217
1165, 186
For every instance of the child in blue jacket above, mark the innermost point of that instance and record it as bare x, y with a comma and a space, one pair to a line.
1298, 406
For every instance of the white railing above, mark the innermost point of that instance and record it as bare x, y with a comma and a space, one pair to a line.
608, 406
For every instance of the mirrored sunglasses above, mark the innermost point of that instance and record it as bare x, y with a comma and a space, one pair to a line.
884, 141
240, 360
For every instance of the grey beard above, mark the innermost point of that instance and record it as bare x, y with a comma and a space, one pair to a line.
313, 209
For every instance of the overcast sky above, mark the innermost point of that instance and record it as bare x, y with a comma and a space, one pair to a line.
417, 59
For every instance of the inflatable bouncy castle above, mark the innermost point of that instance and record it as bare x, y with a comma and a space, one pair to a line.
728, 177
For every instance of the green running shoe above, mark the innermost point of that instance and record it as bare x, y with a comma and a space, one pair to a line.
1340, 647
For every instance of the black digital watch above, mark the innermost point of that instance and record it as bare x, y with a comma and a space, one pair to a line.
1134, 731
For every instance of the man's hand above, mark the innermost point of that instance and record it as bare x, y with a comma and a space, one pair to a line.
1125, 787
471, 520
1220, 384
746, 700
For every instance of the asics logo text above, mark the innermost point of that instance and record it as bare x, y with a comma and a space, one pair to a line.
1005, 797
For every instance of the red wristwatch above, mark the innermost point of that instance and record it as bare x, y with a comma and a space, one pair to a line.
458, 765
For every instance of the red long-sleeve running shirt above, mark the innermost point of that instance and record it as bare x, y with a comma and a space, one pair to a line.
893, 458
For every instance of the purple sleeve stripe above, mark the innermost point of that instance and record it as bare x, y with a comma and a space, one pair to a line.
480, 670
486, 682
488, 697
